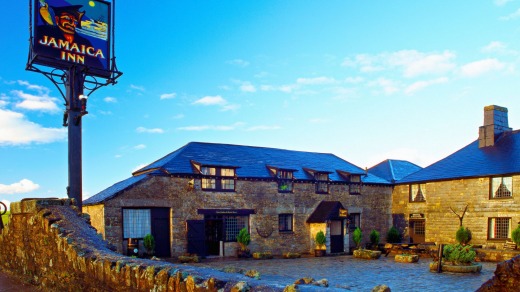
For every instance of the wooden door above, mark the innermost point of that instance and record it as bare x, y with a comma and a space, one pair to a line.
196, 237
161, 231
336, 236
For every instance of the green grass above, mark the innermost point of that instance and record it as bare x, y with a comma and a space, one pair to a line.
5, 218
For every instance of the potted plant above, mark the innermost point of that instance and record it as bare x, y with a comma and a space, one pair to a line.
320, 240
393, 235
458, 258
374, 239
243, 239
364, 253
515, 235
149, 244
463, 235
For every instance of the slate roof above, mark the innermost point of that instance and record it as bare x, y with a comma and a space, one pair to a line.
250, 162
393, 170
471, 161
326, 210
114, 190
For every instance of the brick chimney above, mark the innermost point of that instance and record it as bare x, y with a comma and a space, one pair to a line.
495, 123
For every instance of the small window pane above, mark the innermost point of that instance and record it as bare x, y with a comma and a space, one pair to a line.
499, 228
228, 184
208, 183
417, 193
208, 170
227, 172
285, 222
233, 226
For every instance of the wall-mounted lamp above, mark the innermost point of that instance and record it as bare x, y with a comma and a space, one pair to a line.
83, 101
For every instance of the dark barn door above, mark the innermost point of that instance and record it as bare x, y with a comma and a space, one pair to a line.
161, 231
214, 235
196, 237
336, 236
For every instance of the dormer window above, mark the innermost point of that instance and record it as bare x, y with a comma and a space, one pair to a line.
501, 187
417, 193
322, 182
355, 184
218, 178
285, 180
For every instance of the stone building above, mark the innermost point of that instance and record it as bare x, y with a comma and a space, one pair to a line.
477, 186
197, 198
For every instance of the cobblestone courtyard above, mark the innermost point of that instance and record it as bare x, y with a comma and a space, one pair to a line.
349, 273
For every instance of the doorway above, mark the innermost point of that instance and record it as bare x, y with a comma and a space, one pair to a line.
336, 236
417, 231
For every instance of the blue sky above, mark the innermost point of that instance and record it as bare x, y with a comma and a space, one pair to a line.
365, 80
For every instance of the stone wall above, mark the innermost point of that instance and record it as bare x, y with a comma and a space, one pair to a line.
48, 243
184, 197
442, 223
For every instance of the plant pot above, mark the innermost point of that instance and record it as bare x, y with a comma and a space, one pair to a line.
406, 258
243, 253
319, 252
367, 254
445, 267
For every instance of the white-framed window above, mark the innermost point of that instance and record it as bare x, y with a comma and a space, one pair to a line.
417, 193
499, 228
285, 222
322, 183
218, 178
136, 223
501, 187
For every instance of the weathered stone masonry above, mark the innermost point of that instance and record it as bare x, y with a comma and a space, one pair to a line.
183, 196
49, 244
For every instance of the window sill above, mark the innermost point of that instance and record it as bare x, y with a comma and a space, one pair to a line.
218, 191
501, 198
288, 232
416, 201
284, 192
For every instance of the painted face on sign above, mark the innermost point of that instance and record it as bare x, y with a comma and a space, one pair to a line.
67, 22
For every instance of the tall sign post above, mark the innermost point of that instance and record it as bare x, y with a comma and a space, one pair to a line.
72, 44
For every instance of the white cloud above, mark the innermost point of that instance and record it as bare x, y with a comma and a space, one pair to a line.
247, 87
238, 62
15, 129
23, 186
35, 102
283, 88
481, 67
139, 147
211, 100
150, 131
511, 16
136, 87
109, 99
40, 89
420, 85
316, 80
3, 103
413, 63
388, 86
168, 95
498, 47
230, 107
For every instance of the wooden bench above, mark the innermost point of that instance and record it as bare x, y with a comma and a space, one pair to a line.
509, 245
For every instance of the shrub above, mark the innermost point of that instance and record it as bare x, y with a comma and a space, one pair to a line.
463, 235
320, 239
374, 238
357, 236
516, 235
459, 254
149, 243
243, 238
393, 235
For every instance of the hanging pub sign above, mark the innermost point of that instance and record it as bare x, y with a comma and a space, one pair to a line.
343, 213
416, 216
71, 33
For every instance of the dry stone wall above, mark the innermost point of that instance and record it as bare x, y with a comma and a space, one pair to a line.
48, 243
